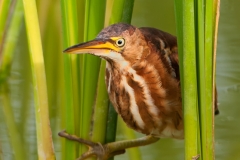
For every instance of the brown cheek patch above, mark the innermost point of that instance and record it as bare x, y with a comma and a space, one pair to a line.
135, 49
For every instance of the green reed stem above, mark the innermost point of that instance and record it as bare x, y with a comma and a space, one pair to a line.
187, 53
101, 108
122, 11
14, 135
94, 22
12, 35
71, 73
198, 55
111, 124
4, 14
200, 29
44, 135
178, 7
216, 14
11, 41
206, 110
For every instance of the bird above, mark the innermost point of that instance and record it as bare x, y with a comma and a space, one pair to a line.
143, 83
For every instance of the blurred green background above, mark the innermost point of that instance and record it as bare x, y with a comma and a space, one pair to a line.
146, 13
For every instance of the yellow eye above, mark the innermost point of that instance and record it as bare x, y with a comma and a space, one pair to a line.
120, 42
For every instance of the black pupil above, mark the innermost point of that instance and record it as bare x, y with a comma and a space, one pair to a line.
120, 42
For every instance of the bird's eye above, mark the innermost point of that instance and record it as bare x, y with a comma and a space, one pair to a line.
120, 42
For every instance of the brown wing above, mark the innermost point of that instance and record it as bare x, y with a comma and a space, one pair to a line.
166, 43
157, 37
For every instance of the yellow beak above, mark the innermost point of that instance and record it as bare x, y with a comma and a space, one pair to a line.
95, 46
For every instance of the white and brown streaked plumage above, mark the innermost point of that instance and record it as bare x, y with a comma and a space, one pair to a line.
142, 77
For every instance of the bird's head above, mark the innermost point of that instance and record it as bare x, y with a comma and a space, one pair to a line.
117, 43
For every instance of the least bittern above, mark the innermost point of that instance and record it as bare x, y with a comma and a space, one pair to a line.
143, 83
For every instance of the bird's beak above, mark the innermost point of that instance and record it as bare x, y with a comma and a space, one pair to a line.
96, 46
